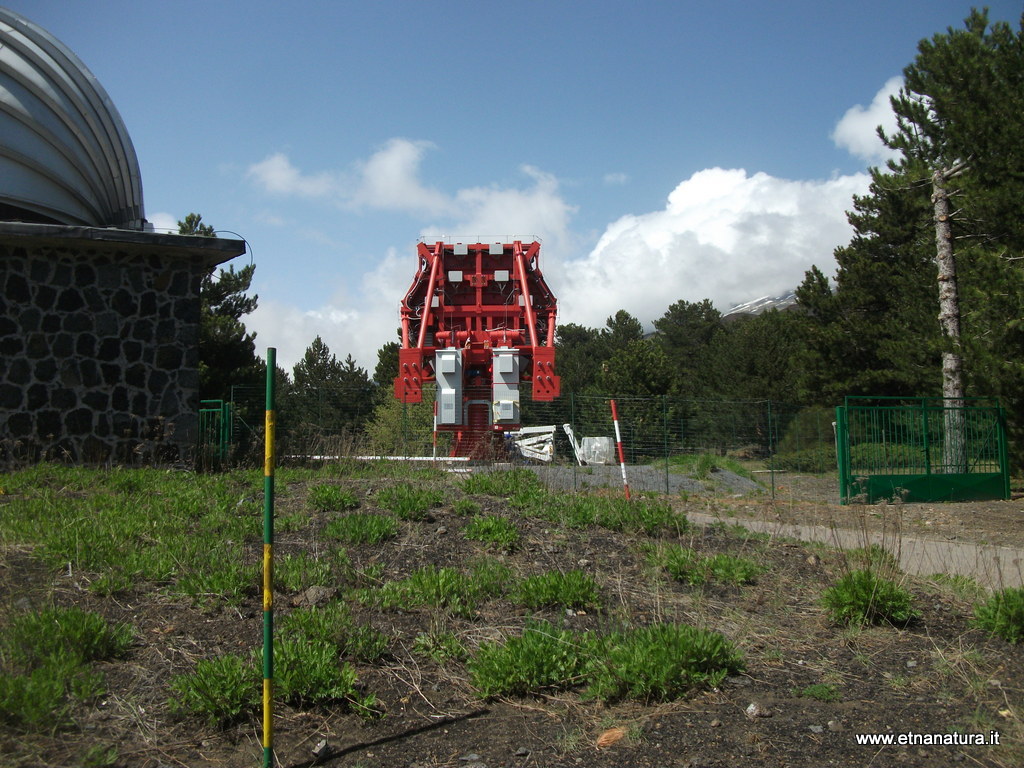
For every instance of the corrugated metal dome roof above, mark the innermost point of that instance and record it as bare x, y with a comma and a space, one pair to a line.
65, 154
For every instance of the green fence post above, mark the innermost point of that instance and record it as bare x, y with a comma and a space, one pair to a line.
1004, 455
842, 454
268, 567
925, 438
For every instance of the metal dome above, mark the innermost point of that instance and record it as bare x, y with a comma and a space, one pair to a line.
65, 154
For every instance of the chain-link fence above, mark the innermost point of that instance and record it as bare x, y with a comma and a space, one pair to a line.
664, 439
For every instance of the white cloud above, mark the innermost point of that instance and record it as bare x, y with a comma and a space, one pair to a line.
615, 179
723, 235
389, 180
360, 321
277, 175
486, 213
163, 222
358, 327
856, 131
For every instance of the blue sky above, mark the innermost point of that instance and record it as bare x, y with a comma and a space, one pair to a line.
660, 150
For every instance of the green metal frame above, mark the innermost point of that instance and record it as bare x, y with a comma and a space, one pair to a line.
216, 428
889, 448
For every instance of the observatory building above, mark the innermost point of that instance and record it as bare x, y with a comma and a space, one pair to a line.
99, 315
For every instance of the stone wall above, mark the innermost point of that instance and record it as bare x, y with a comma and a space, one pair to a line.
99, 350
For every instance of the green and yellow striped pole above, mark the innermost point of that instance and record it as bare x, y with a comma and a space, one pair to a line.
268, 567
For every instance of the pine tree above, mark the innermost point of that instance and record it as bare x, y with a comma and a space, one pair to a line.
227, 352
329, 398
685, 333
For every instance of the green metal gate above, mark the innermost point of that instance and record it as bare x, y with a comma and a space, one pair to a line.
921, 449
216, 429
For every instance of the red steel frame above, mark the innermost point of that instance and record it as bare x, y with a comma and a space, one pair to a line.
476, 297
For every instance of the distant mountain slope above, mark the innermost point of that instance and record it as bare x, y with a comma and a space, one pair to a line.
763, 304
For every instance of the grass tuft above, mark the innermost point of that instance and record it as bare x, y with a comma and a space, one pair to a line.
445, 588
862, 597
1002, 615
506, 483
686, 565
221, 691
44, 664
554, 589
819, 692
656, 663
327, 497
409, 502
662, 662
542, 658
493, 529
362, 528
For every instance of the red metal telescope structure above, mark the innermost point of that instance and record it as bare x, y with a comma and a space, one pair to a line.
479, 320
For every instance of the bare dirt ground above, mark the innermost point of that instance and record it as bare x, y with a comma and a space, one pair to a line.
935, 676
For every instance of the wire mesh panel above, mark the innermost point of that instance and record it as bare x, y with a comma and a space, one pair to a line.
928, 449
670, 444
215, 430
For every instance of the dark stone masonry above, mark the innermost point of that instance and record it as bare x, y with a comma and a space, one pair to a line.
99, 342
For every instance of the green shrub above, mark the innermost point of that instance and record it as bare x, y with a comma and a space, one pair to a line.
809, 430
1002, 614
661, 663
33, 700
327, 497
362, 528
701, 465
653, 517
554, 589
490, 576
223, 575
492, 529
816, 460
863, 597
320, 624
221, 690
962, 587
542, 658
409, 502
866, 456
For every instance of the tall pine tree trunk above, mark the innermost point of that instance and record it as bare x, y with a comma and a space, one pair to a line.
954, 453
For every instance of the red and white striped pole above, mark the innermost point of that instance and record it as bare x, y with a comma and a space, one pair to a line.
618, 445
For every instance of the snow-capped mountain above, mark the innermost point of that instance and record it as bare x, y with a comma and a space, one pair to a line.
763, 304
